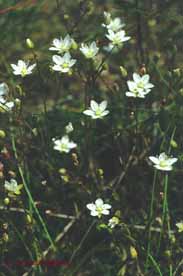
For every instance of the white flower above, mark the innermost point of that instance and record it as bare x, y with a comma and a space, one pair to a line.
117, 38
139, 87
163, 162
179, 226
113, 222
12, 187
97, 111
69, 128
99, 208
62, 45
22, 68
89, 51
63, 64
64, 144
114, 24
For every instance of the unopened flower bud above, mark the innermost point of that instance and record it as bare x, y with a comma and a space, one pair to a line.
2, 134
173, 143
5, 237
1, 167
181, 91
62, 171
124, 72
66, 16
7, 201
168, 253
133, 252
75, 159
29, 43
5, 226
28, 219
172, 239
12, 174
143, 69
74, 45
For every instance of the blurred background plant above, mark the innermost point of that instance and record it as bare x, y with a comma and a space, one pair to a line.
48, 218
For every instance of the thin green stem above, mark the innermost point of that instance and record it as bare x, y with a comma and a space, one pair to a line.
30, 196
155, 265
150, 219
82, 241
165, 214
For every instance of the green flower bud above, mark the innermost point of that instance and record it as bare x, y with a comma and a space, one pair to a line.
181, 91
2, 134
5, 237
124, 72
151, 23
173, 143
168, 253
62, 171
7, 201
74, 45
133, 252
29, 43
28, 219
66, 16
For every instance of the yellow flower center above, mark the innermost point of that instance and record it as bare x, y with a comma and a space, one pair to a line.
163, 163
140, 84
90, 53
24, 71
63, 147
98, 112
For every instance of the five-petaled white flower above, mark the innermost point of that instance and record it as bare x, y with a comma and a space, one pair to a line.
62, 45
163, 162
113, 222
139, 87
112, 24
63, 64
117, 38
12, 187
64, 144
97, 111
99, 208
89, 51
179, 226
22, 68
69, 128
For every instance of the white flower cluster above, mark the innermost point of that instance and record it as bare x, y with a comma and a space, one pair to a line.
62, 46
139, 87
115, 34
